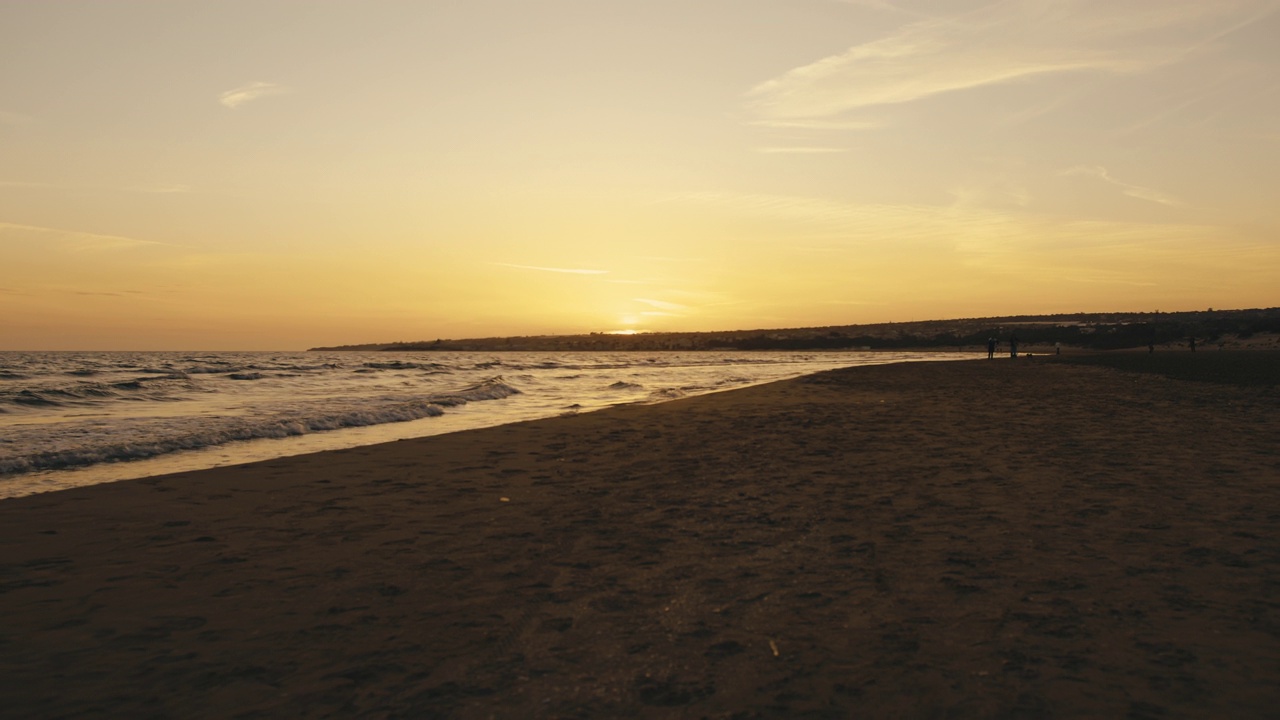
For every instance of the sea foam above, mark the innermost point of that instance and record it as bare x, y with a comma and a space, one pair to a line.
218, 431
70, 419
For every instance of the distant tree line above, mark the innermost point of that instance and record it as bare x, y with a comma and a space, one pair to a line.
1100, 331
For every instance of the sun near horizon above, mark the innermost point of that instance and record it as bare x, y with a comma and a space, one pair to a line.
281, 175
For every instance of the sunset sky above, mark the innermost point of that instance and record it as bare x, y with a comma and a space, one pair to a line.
277, 175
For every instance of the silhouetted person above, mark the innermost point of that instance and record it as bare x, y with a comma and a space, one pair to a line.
1151, 348
991, 347
1193, 344
1013, 346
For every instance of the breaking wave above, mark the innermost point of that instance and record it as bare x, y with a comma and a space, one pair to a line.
224, 430
158, 387
84, 410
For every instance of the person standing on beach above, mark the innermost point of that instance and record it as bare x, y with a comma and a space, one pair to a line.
991, 347
1013, 345
1193, 344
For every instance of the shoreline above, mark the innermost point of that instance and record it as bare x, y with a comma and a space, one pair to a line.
532, 397
969, 538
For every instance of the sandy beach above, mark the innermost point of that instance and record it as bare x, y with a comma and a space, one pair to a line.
1007, 538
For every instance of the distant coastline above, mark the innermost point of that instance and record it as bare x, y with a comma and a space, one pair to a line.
1253, 328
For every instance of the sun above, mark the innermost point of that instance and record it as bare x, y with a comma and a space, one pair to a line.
629, 322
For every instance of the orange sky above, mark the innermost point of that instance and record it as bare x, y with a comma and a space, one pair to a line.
279, 175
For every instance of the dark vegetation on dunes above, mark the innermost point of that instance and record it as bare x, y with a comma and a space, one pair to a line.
1096, 331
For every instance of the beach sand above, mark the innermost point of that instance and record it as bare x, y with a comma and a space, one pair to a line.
1008, 538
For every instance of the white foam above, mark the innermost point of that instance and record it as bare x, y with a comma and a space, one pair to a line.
193, 409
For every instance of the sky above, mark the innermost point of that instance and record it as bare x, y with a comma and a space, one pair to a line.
281, 174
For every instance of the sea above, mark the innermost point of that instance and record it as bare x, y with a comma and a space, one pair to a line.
69, 419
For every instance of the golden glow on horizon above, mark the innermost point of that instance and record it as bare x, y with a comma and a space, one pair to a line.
390, 172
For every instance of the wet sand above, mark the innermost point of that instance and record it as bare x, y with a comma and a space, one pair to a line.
1008, 538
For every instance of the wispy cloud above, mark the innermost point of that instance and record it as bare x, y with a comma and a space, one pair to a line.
1000, 42
801, 150
1135, 191
995, 240
161, 189
158, 189
571, 271
1107, 277
254, 90
883, 6
75, 239
1032, 112
873, 4
818, 213
812, 124
662, 304
670, 258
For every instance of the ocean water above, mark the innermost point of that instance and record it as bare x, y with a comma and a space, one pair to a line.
79, 418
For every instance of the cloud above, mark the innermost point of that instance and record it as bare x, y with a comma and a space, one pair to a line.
1113, 277
162, 189
670, 258
998, 43
814, 212
571, 271
990, 240
872, 4
662, 304
76, 239
1135, 191
158, 189
254, 90
883, 6
801, 150
810, 124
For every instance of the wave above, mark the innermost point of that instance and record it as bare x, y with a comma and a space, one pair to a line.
280, 426
160, 387
227, 367
621, 385
402, 365
492, 389
310, 367
163, 370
